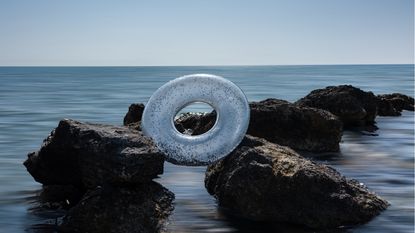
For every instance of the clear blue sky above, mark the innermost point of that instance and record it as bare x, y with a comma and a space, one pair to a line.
200, 32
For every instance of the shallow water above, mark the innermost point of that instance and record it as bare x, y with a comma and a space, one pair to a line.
33, 100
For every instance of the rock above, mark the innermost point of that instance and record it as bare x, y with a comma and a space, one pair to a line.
135, 126
301, 128
87, 155
393, 104
263, 181
134, 114
141, 208
279, 121
386, 108
353, 106
60, 196
195, 123
187, 123
53, 202
114, 166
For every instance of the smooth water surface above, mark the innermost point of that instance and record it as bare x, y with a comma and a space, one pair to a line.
34, 99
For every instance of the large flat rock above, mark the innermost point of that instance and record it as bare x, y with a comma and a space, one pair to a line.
88, 155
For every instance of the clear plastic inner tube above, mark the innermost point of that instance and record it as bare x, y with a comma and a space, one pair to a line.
232, 118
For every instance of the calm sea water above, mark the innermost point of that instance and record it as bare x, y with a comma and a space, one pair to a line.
34, 99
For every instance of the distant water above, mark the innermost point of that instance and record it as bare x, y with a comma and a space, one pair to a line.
34, 99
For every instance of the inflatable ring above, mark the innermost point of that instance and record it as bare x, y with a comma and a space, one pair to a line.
232, 118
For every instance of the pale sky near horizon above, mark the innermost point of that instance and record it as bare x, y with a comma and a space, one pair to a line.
196, 32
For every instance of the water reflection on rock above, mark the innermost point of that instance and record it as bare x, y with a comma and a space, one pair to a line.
141, 208
138, 208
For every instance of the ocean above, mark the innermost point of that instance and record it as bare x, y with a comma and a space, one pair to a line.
34, 99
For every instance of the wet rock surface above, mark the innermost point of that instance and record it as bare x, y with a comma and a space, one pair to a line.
100, 178
394, 104
60, 197
301, 128
140, 208
263, 181
353, 106
87, 155
279, 121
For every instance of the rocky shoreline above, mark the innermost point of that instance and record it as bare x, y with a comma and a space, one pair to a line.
102, 175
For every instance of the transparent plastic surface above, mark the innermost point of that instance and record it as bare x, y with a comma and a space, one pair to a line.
232, 118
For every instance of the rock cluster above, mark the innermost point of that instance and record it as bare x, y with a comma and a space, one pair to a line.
279, 121
356, 107
119, 162
313, 123
104, 174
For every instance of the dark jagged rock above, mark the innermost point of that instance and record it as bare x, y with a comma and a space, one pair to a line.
386, 108
301, 128
353, 106
142, 208
112, 167
279, 121
195, 123
187, 123
87, 155
393, 104
134, 114
263, 181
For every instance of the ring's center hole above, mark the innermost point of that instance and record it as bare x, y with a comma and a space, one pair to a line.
195, 118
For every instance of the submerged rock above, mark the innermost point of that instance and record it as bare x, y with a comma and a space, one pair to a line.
263, 181
301, 128
141, 208
134, 114
59, 196
393, 104
87, 155
353, 106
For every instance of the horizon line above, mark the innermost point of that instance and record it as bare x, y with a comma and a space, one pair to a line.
234, 65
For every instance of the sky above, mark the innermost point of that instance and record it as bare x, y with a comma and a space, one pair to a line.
200, 32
